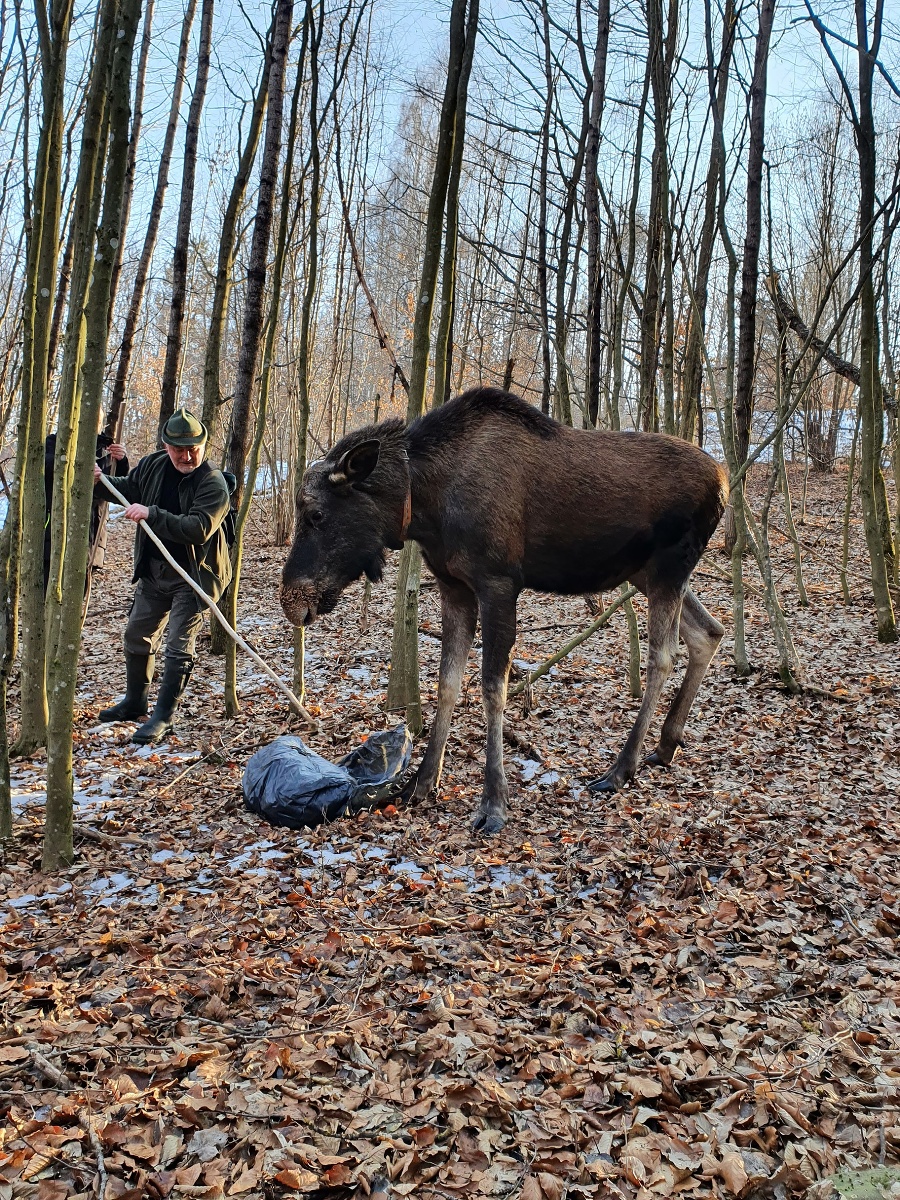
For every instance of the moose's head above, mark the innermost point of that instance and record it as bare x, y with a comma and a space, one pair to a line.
352, 505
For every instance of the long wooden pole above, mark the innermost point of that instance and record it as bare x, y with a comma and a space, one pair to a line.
214, 608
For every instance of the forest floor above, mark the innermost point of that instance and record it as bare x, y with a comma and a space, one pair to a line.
690, 987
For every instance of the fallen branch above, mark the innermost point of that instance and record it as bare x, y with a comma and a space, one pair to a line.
87, 1124
567, 647
214, 608
107, 839
521, 743
46, 1069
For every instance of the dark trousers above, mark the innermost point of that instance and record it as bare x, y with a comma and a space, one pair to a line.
163, 597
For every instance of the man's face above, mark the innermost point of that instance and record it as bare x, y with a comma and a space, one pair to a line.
185, 458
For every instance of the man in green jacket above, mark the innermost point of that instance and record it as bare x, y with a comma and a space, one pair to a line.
184, 501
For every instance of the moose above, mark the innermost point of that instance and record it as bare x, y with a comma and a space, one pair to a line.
500, 497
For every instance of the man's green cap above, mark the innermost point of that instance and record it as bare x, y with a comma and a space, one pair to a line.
183, 429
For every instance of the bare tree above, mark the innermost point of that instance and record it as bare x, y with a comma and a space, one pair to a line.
172, 366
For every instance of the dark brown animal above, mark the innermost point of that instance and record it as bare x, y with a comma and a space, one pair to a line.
501, 498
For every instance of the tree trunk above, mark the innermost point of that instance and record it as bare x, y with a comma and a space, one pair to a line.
871, 479
692, 371
562, 394
403, 687
137, 118
212, 391
40, 283
743, 393
592, 216
660, 51
172, 367
79, 414
232, 703
114, 419
543, 284
251, 333
86, 211
443, 346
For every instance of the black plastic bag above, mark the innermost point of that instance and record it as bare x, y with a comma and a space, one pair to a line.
286, 783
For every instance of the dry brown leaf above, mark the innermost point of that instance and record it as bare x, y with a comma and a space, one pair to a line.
732, 1173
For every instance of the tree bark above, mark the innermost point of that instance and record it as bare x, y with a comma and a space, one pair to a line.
232, 703
543, 284
88, 195
251, 333
40, 283
592, 216
660, 51
137, 119
871, 478
215, 336
403, 686
77, 433
743, 394
114, 419
692, 371
443, 346
172, 366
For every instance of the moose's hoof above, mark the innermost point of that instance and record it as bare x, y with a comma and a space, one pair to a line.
661, 757
606, 784
488, 820
412, 791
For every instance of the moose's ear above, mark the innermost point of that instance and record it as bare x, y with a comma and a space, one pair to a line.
356, 464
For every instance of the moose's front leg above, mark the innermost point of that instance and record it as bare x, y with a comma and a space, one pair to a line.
459, 616
497, 604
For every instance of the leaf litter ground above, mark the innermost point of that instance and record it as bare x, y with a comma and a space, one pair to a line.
688, 988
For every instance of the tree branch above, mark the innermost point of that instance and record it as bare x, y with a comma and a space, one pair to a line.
840, 365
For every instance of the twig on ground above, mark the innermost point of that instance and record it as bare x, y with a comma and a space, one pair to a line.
87, 1124
46, 1068
522, 743
107, 839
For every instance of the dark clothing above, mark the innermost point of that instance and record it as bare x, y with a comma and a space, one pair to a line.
162, 596
104, 462
203, 500
170, 500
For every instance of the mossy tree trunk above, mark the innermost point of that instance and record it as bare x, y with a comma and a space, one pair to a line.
79, 412
42, 250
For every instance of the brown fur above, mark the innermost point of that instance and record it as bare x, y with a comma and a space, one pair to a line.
503, 498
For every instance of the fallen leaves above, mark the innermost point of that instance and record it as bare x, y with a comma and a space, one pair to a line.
688, 990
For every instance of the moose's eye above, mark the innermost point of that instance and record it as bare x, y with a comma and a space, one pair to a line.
315, 516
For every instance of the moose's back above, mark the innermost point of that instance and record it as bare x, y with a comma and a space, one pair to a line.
501, 488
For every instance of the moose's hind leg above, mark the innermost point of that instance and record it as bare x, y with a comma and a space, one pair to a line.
662, 636
498, 634
459, 616
701, 633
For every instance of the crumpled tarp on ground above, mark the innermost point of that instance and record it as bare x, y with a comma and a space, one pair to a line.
286, 783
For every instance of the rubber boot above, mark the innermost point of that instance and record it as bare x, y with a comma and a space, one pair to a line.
138, 677
171, 689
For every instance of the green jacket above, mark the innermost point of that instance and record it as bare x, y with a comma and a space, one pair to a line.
205, 502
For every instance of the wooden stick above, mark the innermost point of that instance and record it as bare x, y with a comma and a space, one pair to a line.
570, 645
214, 608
